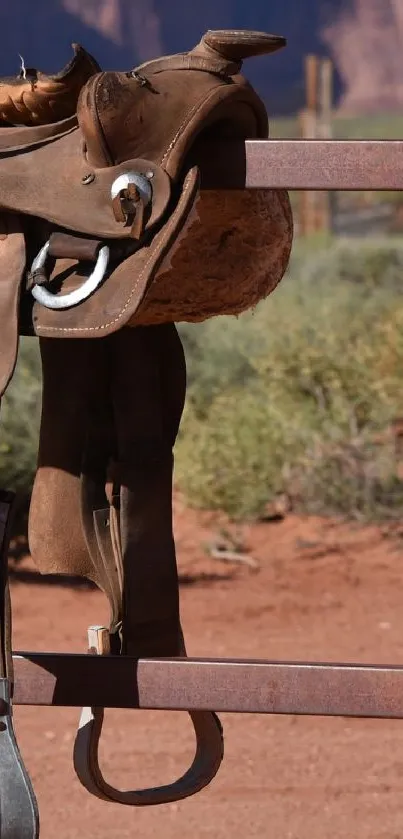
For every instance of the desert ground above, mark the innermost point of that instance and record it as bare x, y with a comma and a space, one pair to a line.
323, 590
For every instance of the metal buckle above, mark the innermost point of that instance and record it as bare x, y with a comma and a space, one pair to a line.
131, 193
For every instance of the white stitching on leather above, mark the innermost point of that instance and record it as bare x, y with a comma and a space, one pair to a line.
47, 329
188, 115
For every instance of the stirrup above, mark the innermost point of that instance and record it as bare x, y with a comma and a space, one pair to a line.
206, 762
19, 817
78, 295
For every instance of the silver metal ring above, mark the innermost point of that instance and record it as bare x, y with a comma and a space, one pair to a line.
72, 298
141, 182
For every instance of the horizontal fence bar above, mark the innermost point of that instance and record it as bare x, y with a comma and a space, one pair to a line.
259, 687
304, 164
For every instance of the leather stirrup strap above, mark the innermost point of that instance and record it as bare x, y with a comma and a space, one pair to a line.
98, 451
148, 389
144, 472
18, 806
126, 428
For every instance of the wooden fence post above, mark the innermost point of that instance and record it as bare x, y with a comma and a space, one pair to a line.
315, 122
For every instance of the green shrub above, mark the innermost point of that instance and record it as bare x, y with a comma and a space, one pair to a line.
19, 421
290, 398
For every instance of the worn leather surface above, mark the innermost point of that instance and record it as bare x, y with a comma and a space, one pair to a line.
123, 396
50, 183
34, 98
153, 118
12, 256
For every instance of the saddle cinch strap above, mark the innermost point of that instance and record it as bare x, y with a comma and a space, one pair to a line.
107, 492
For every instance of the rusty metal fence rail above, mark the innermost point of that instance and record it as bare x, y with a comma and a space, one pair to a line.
238, 686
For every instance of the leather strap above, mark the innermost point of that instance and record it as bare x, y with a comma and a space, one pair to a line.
13, 258
7, 501
70, 246
18, 807
30, 137
132, 429
145, 369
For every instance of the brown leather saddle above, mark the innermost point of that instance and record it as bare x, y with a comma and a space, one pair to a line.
106, 232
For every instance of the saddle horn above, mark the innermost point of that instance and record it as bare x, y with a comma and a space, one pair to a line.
220, 51
238, 44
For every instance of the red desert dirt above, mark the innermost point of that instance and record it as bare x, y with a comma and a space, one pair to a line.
322, 591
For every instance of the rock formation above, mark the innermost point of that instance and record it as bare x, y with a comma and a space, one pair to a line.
366, 42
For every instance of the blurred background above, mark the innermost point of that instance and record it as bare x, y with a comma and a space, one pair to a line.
363, 37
